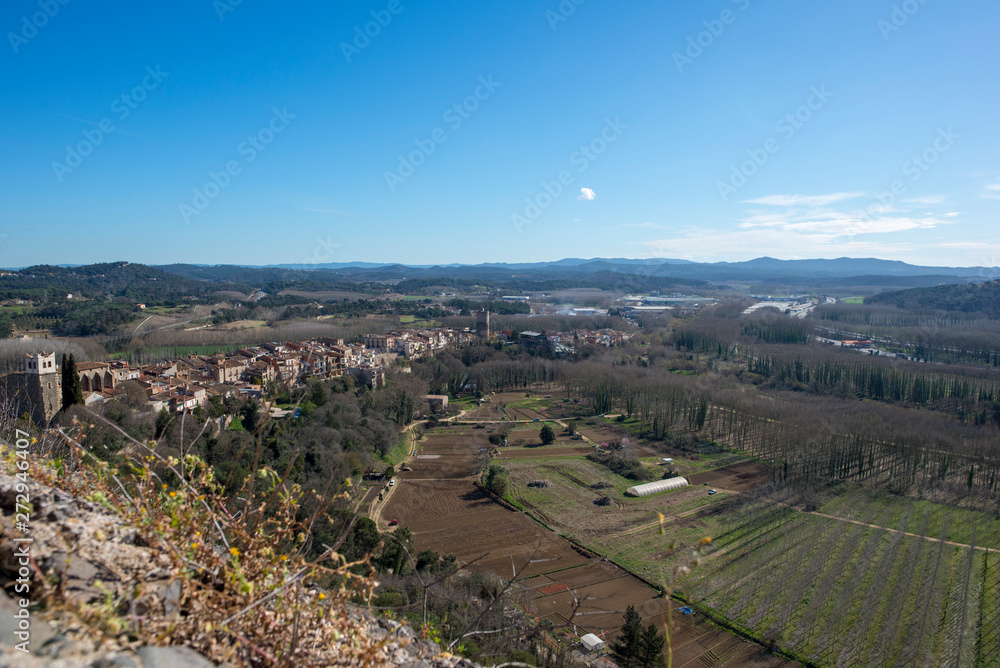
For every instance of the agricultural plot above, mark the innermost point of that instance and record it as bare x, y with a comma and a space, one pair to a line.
738, 477
846, 594
517, 413
439, 502
957, 525
627, 530
487, 413
543, 452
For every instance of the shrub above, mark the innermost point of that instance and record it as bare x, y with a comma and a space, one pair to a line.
239, 578
622, 465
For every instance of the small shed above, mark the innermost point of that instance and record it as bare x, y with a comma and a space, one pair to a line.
592, 643
437, 402
656, 487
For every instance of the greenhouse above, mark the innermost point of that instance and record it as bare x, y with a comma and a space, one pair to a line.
656, 487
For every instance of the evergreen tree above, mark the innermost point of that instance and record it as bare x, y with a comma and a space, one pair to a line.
625, 649
72, 389
651, 648
547, 435
63, 368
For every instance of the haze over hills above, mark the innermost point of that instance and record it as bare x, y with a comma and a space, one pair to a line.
756, 269
617, 273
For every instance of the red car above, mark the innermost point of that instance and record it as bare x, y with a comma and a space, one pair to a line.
393, 523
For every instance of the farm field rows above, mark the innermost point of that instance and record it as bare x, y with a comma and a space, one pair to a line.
955, 524
828, 588
843, 594
444, 509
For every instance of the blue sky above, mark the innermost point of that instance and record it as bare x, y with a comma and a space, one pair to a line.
253, 133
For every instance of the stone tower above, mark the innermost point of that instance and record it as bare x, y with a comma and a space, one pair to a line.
483, 324
43, 384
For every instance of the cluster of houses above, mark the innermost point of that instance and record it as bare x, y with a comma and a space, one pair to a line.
189, 382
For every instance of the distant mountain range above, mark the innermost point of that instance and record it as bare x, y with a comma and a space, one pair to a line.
758, 270
140, 281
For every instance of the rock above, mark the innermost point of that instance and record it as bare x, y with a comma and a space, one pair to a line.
120, 661
128, 536
54, 646
171, 598
56, 515
40, 631
80, 569
172, 657
56, 563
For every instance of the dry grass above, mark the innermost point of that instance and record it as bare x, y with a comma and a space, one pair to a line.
245, 594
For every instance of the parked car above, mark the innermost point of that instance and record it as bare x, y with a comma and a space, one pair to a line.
392, 483
712, 491
393, 522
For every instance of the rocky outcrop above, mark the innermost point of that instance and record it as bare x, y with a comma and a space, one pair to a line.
84, 554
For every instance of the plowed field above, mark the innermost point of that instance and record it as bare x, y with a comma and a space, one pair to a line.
446, 512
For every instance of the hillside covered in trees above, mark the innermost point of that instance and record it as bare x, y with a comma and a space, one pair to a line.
981, 298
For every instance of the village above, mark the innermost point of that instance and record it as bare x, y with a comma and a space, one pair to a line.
188, 383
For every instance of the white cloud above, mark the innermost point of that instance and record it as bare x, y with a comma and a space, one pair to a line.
587, 194
718, 245
804, 200
836, 225
926, 200
814, 226
992, 191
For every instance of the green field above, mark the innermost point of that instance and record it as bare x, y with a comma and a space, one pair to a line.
841, 593
958, 525
829, 589
628, 531
17, 310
